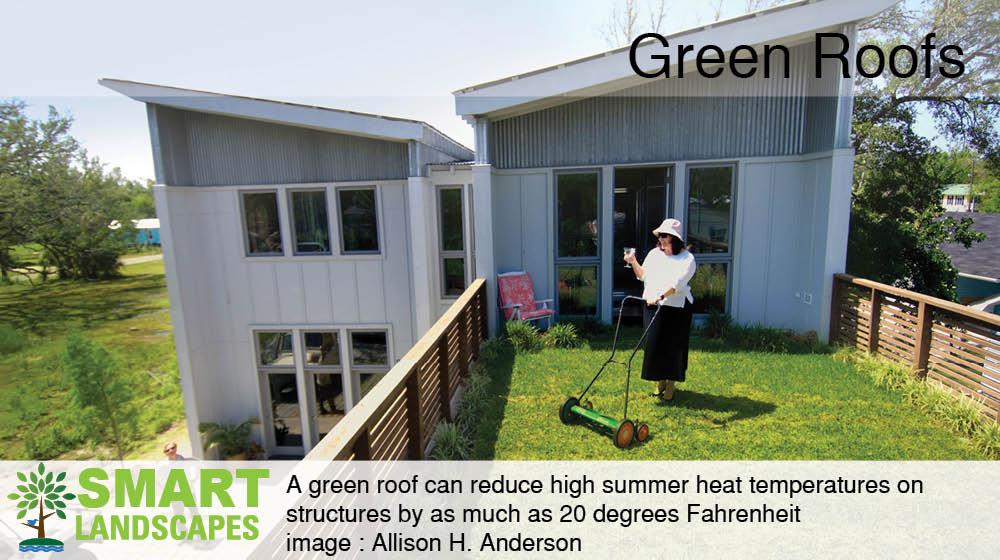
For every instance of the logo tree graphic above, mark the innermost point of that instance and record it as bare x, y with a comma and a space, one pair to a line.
44, 491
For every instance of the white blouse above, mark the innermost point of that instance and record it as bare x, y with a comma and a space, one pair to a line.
662, 272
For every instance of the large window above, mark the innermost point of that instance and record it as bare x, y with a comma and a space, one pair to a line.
276, 363
261, 223
710, 217
452, 240
578, 242
358, 220
310, 226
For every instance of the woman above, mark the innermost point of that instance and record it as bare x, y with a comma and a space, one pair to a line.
665, 274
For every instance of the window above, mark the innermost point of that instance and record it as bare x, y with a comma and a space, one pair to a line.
310, 226
710, 216
325, 377
709, 286
710, 209
358, 220
276, 363
578, 242
451, 240
260, 220
369, 357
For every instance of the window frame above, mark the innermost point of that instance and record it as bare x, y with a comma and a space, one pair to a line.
728, 258
289, 194
263, 373
378, 219
368, 368
243, 221
594, 261
443, 254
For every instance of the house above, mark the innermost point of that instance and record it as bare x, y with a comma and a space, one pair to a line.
147, 230
958, 198
979, 265
308, 248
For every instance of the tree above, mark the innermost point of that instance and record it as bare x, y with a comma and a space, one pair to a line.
988, 195
624, 24
42, 490
966, 109
897, 225
57, 197
101, 391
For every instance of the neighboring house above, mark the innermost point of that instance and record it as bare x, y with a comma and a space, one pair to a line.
308, 248
979, 265
147, 230
958, 198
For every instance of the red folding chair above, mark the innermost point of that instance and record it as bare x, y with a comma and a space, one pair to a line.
517, 299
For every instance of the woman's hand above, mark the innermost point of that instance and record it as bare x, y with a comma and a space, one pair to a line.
631, 260
653, 301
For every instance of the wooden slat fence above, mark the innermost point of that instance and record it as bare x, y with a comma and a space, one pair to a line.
396, 419
954, 345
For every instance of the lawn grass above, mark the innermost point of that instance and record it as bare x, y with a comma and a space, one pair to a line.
735, 405
130, 315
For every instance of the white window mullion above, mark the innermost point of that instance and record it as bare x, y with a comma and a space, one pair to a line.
305, 397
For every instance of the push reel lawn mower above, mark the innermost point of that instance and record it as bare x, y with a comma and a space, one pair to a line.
624, 431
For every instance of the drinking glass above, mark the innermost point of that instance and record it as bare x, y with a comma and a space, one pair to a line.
629, 251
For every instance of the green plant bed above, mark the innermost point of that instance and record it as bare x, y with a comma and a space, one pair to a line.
736, 404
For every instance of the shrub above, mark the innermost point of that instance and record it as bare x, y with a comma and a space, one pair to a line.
491, 349
450, 443
54, 439
961, 413
589, 327
232, 439
716, 325
475, 395
562, 335
760, 339
523, 337
11, 340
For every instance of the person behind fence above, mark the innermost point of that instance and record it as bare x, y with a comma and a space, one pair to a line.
665, 274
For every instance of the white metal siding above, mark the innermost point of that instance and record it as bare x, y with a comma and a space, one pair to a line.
225, 294
677, 119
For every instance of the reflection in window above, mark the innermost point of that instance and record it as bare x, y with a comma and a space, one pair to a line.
358, 221
709, 287
577, 214
310, 225
369, 348
454, 276
275, 348
322, 348
452, 241
329, 390
260, 217
578, 290
710, 206
286, 420
369, 380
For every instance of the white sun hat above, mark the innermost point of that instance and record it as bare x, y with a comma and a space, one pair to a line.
671, 226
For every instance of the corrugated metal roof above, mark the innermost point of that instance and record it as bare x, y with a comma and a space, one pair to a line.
957, 189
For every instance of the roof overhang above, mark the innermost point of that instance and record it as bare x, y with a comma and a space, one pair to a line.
292, 114
789, 23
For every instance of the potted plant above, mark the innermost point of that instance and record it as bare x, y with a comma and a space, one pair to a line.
232, 440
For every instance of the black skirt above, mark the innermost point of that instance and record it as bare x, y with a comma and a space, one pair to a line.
666, 356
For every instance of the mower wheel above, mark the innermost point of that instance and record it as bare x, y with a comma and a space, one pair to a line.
565, 414
642, 433
624, 434
588, 405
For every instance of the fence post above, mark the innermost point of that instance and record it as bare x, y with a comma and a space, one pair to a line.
875, 305
922, 348
835, 310
484, 319
362, 450
463, 343
413, 425
445, 385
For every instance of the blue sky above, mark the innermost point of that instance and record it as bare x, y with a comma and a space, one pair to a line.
396, 58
